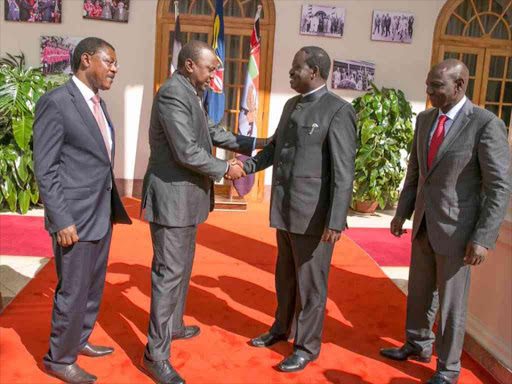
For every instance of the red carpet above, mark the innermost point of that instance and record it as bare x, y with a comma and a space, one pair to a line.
24, 236
386, 249
232, 298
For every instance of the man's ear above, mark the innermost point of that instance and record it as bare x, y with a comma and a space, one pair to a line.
315, 72
189, 65
85, 61
460, 82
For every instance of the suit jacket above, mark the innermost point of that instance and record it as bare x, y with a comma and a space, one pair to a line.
178, 185
313, 152
71, 164
464, 195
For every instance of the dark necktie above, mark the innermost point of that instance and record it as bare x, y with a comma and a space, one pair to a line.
437, 140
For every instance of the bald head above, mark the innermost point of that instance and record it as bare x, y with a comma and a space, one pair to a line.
455, 69
447, 83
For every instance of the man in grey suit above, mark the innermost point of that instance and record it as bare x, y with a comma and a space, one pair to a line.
313, 152
458, 188
178, 195
74, 147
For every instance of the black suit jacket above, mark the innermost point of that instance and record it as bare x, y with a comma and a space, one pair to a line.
313, 154
72, 166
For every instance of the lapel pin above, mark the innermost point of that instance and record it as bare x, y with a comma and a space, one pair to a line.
313, 127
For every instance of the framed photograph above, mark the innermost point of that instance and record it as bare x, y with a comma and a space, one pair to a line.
392, 26
33, 11
322, 20
57, 53
350, 74
111, 10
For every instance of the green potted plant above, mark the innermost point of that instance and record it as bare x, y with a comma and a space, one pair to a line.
20, 88
385, 132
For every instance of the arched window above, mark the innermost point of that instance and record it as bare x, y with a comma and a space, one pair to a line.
478, 32
196, 21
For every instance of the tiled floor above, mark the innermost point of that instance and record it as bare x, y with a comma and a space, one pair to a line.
17, 271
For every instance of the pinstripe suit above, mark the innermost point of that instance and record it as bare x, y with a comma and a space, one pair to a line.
462, 198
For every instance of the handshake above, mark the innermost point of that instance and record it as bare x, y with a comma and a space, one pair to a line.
235, 170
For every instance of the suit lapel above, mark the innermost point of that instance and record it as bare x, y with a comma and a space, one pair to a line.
87, 116
197, 106
457, 127
424, 134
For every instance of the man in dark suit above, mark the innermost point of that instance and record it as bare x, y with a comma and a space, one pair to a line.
458, 188
74, 147
25, 9
178, 195
313, 152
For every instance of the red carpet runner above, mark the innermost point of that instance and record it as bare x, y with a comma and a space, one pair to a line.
24, 236
232, 298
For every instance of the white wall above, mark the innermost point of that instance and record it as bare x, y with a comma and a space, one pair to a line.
401, 66
129, 100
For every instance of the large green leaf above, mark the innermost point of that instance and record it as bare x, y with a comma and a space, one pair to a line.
21, 168
34, 192
10, 195
22, 129
24, 201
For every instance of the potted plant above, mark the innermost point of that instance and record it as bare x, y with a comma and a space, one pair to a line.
385, 132
20, 88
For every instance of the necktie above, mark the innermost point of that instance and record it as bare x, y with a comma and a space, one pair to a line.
437, 140
98, 115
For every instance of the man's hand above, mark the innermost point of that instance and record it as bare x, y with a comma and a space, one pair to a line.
235, 171
396, 226
475, 254
331, 236
67, 236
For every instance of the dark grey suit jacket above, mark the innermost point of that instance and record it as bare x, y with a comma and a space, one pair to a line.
178, 185
464, 195
72, 168
313, 165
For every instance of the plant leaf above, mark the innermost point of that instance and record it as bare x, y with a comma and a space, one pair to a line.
24, 201
22, 129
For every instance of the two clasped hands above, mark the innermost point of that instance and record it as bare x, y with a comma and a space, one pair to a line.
235, 170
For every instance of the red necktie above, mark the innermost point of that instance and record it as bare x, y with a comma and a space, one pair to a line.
437, 140
101, 123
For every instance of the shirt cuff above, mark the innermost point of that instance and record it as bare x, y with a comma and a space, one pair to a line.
227, 167
254, 145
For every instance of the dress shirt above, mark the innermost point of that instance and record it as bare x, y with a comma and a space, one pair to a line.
314, 90
88, 94
451, 115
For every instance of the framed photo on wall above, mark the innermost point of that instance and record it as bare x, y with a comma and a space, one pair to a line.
351, 74
392, 26
57, 53
322, 20
33, 11
111, 10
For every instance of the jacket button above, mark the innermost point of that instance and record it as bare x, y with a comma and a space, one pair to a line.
109, 188
290, 125
286, 144
279, 163
277, 182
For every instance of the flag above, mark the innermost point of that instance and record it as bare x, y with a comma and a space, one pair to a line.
214, 99
249, 104
177, 43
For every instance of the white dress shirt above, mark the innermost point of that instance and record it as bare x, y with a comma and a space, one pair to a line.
88, 94
451, 116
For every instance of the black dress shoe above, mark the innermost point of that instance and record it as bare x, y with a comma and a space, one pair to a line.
293, 363
406, 352
71, 373
95, 350
188, 333
267, 339
440, 379
161, 372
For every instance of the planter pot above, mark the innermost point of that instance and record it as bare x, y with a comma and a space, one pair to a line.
366, 206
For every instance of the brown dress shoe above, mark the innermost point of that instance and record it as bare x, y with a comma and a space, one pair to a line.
407, 352
71, 373
95, 350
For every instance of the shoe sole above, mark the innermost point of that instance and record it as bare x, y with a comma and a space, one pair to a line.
57, 377
150, 375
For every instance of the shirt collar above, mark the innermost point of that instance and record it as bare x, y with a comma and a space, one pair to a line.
314, 90
452, 113
86, 92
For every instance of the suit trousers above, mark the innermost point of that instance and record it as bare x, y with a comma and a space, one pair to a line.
173, 257
81, 270
302, 271
437, 283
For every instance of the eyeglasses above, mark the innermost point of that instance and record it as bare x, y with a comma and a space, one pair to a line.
110, 63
